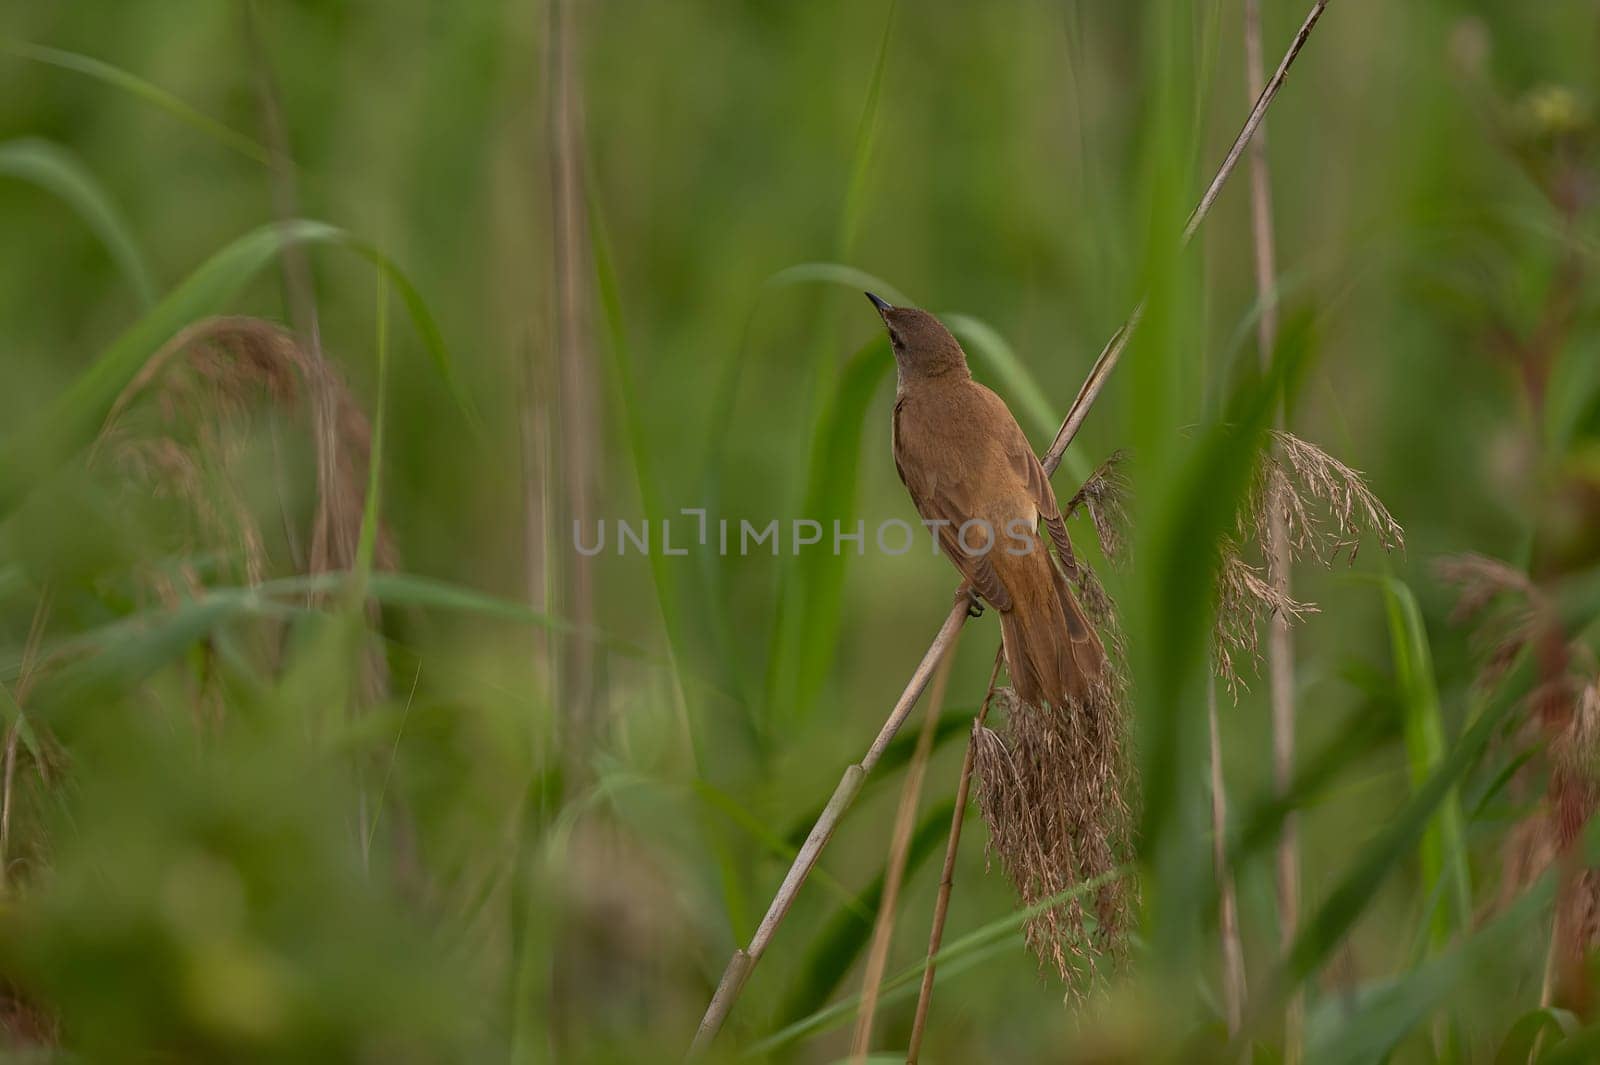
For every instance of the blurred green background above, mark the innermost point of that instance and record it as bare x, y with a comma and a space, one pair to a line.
524, 806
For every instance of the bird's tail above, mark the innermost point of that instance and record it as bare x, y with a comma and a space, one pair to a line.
1052, 652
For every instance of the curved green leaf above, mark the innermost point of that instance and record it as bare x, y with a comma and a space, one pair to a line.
1545, 1026
720, 422
1349, 897
1369, 1028
141, 89
70, 422
59, 172
1444, 851
807, 631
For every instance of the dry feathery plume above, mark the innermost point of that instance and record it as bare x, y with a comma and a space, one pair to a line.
1102, 613
1324, 508
1104, 496
1297, 473
1554, 829
183, 427
1051, 788
204, 387
1503, 602
1244, 596
1576, 749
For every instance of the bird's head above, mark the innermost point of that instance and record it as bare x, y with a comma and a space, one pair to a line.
923, 347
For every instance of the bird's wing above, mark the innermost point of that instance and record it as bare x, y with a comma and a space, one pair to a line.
1025, 464
1028, 467
941, 501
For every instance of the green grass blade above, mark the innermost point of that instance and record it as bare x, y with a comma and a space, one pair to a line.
59, 172
1383, 1016
1334, 918
798, 644
71, 421
132, 647
372, 506
809, 616
1444, 852
15, 717
1545, 1026
724, 406
1191, 514
856, 191
824, 273
626, 391
140, 89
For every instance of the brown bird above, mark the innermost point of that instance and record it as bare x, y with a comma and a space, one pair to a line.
978, 485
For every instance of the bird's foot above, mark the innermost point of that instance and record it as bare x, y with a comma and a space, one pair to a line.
974, 604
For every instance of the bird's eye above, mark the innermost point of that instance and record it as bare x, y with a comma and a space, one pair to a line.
894, 338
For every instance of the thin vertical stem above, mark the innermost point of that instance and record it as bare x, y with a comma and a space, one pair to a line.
1233, 982
25, 674
537, 503
941, 906
574, 369
1280, 643
332, 544
1112, 352
900, 844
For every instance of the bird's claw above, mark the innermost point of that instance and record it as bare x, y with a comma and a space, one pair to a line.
974, 604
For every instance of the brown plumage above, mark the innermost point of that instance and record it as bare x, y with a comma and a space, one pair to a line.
974, 478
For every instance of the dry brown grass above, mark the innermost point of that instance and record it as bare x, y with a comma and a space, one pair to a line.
1501, 604
184, 425
1104, 497
1053, 790
1325, 508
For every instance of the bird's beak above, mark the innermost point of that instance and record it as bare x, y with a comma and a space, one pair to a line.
884, 306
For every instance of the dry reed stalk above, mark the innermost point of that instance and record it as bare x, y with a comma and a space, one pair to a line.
900, 843
1112, 352
947, 874
333, 544
1233, 981
578, 433
201, 387
25, 676
744, 959
1562, 717
537, 503
1280, 641
1055, 794
198, 390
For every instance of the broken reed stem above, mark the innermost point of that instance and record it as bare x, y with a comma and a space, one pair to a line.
1280, 642
1109, 355
744, 959
904, 822
941, 905
1233, 983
